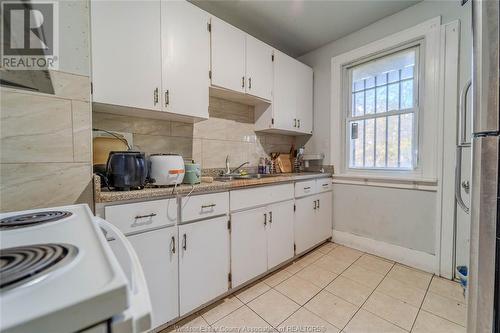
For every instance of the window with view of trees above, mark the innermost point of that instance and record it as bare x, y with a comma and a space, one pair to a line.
382, 112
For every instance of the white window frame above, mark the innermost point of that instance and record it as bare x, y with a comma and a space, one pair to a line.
428, 122
417, 87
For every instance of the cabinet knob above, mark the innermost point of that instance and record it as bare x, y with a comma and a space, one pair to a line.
315, 206
155, 96
249, 83
173, 244
318, 203
184, 242
294, 122
167, 98
298, 123
265, 219
243, 82
270, 217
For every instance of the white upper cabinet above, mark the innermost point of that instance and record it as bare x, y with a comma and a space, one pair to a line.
283, 107
126, 53
291, 111
185, 59
259, 68
228, 56
304, 98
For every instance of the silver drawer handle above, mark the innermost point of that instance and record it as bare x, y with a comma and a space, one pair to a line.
325, 184
173, 245
139, 217
208, 206
184, 242
307, 188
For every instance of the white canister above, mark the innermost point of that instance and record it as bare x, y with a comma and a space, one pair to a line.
167, 169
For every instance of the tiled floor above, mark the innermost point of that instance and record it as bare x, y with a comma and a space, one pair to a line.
338, 289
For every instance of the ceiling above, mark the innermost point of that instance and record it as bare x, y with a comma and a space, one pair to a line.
299, 26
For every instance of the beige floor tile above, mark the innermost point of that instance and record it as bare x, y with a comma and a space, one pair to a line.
447, 288
374, 263
303, 320
428, 323
317, 275
277, 278
195, 324
296, 266
327, 247
392, 310
402, 291
297, 289
411, 276
331, 308
273, 307
252, 292
445, 307
349, 290
363, 276
334, 264
366, 322
311, 257
244, 320
346, 253
221, 309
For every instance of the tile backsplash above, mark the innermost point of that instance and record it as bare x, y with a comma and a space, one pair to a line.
229, 130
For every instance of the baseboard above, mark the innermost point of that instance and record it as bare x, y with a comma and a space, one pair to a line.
413, 258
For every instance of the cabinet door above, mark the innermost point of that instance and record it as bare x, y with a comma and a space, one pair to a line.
304, 223
248, 244
228, 56
185, 59
280, 233
203, 262
284, 92
259, 68
126, 53
304, 98
159, 261
324, 216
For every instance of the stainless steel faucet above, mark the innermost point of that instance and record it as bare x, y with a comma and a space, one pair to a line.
228, 170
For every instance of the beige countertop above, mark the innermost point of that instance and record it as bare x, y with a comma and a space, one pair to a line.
104, 195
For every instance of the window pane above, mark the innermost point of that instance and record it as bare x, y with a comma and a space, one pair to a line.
369, 142
359, 104
380, 146
381, 79
357, 142
406, 151
392, 142
370, 101
358, 85
406, 94
381, 99
393, 101
394, 76
407, 72
370, 82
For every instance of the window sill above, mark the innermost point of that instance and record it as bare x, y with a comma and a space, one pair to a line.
413, 183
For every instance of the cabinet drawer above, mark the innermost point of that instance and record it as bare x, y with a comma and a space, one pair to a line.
204, 206
306, 187
323, 185
241, 199
139, 216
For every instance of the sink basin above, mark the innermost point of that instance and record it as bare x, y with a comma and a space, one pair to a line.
226, 178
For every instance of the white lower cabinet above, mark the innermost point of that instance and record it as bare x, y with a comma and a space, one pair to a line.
157, 252
248, 244
280, 233
324, 216
304, 223
313, 220
261, 239
203, 262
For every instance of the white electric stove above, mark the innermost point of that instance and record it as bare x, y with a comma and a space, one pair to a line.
58, 274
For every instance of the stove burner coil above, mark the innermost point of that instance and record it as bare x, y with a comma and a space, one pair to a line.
23, 264
26, 220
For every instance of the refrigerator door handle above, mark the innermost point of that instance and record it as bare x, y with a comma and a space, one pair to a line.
458, 175
462, 113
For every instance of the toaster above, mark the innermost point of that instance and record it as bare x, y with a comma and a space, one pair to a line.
166, 169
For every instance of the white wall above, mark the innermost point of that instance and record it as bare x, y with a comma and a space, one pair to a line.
403, 217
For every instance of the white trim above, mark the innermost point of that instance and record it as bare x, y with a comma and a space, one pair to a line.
409, 257
449, 104
429, 31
